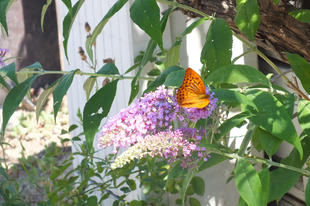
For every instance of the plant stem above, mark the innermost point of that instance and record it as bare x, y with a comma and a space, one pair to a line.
121, 77
265, 161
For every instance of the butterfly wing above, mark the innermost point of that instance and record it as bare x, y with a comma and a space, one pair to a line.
192, 93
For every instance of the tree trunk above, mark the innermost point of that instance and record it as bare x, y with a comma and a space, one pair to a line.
278, 32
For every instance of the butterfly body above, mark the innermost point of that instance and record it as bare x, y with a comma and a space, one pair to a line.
192, 93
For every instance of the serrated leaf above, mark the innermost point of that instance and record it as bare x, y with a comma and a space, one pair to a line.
175, 78
217, 50
96, 108
68, 22
248, 183
304, 115
61, 90
198, 185
43, 97
14, 98
9, 71
90, 40
302, 15
248, 17
232, 96
301, 69
45, 6
146, 14
273, 118
238, 74
278, 187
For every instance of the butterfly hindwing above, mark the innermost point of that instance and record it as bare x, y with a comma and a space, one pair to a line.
192, 92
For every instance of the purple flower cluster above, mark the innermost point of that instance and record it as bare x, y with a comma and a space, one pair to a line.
2, 54
146, 128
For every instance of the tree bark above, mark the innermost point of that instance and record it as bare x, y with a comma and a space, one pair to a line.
278, 31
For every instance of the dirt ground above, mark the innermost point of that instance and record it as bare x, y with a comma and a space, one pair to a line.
25, 136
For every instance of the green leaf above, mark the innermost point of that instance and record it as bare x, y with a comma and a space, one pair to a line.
14, 98
232, 96
187, 180
238, 74
109, 69
194, 202
173, 56
89, 85
175, 78
304, 115
176, 172
132, 184
101, 100
146, 57
287, 100
154, 72
68, 22
4, 6
198, 185
61, 90
248, 18
48, 2
213, 160
43, 97
264, 176
269, 142
36, 65
278, 187
9, 71
241, 202
302, 15
217, 52
160, 80
301, 69
189, 30
2, 81
90, 40
231, 123
146, 14
68, 5
275, 2
273, 117
3, 173
92, 200
248, 183
135, 83
307, 192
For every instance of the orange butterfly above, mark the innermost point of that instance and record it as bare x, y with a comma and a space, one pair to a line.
192, 93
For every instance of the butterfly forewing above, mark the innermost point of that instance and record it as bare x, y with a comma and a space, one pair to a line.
192, 92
